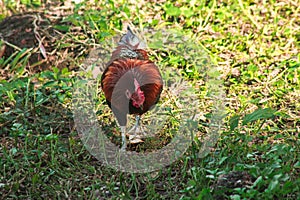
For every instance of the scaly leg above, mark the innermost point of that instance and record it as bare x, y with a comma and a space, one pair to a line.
123, 132
137, 132
137, 128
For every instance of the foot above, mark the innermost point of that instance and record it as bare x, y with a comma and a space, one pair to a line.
137, 132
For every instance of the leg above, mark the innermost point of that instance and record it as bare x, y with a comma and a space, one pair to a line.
123, 131
137, 132
137, 129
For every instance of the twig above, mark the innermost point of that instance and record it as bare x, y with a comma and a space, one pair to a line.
12, 45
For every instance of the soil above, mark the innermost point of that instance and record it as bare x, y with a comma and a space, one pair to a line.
36, 32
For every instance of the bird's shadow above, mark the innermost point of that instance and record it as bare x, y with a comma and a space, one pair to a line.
150, 143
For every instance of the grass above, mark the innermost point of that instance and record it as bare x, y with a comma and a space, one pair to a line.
255, 47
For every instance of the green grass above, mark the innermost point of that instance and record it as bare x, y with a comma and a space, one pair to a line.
255, 46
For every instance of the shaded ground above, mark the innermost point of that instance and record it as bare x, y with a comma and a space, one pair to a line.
45, 38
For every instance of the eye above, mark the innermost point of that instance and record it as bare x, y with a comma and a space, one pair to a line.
128, 94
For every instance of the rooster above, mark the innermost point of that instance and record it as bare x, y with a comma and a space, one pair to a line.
132, 84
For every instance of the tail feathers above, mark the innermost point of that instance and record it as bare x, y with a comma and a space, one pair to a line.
131, 40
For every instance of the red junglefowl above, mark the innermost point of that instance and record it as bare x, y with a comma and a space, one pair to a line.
131, 82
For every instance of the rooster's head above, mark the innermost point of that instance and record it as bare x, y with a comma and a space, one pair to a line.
137, 97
